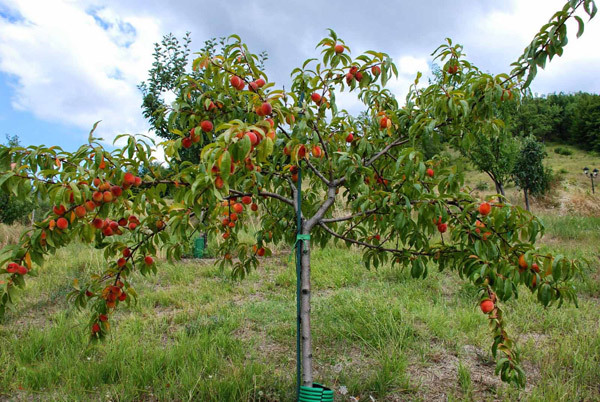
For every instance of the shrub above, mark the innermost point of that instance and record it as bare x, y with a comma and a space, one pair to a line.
563, 151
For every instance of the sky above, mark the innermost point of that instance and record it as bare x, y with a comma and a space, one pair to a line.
65, 64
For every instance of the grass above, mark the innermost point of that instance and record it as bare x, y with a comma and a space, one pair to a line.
196, 334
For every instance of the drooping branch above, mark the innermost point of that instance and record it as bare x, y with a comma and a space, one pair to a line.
349, 217
399, 141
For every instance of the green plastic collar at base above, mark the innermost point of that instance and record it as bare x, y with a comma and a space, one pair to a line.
316, 393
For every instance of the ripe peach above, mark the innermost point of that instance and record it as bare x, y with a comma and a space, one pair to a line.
186, 142
62, 223
116, 190
96, 182
132, 225
107, 196
358, 76
126, 252
301, 151
122, 222
80, 211
107, 231
95, 328
21, 270
121, 262
128, 179
350, 137
522, 263
316, 151
103, 317
349, 78
122, 296
97, 196
239, 208
485, 208
260, 252
260, 82
206, 126
247, 200
376, 70
315, 97
253, 138
235, 81
535, 267
90, 206
266, 108
59, 210
226, 235
338, 49
383, 123
97, 223
253, 86
148, 260
429, 172
442, 227
486, 306
254, 207
138, 181
219, 182
12, 267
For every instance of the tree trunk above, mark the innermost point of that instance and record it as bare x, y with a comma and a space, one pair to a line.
499, 188
526, 199
306, 338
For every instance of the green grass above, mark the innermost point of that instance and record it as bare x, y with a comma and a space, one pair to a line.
196, 334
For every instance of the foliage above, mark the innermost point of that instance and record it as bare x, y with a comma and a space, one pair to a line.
13, 209
567, 118
563, 151
364, 183
529, 172
171, 65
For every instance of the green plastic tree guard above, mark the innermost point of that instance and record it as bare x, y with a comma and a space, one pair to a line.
199, 246
317, 392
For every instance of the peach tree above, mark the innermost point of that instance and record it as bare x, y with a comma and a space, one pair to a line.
363, 183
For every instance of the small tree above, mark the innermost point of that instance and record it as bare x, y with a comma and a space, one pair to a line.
529, 171
495, 154
364, 184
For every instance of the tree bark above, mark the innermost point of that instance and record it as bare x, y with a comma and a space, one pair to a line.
499, 188
526, 199
306, 338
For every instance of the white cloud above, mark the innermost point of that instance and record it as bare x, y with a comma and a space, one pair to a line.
77, 67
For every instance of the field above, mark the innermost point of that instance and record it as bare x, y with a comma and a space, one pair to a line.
196, 334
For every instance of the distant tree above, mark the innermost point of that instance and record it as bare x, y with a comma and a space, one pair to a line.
529, 172
13, 209
495, 155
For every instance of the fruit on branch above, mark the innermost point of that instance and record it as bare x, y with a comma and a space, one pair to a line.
442, 227
349, 138
116, 191
315, 97
301, 152
97, 196
219, 182
349, 78
339, 49
186, 142
121, 262
148, 260
485, 208
90, 206
358, 76
260, 82
486, 306
522, 263
247, 200
316, 151
535, 267
103, 317
128, 179
62, 223
376, 70
80, 211
254, 207
266, 109
126, 252
95, 328
236, 81
59, 210
239, 208
429, 172
107, 196
253, 138
206, 126
260, 252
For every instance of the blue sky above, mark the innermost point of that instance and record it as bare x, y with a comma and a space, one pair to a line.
66, 64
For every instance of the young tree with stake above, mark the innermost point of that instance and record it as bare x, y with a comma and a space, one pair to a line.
364, 183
